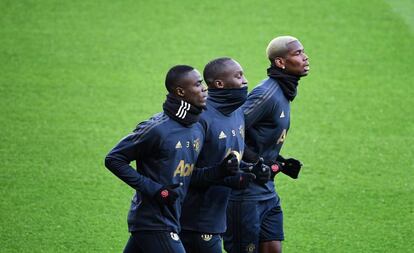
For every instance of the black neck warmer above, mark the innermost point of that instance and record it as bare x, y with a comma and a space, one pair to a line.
288, 83
181, 111
227, 100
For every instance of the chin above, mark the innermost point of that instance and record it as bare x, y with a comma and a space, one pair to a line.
201, 105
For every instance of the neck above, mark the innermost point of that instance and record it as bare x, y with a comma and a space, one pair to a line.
181, 111
227, 100
287, 82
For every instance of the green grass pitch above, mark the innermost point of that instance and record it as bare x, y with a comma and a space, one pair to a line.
76, 76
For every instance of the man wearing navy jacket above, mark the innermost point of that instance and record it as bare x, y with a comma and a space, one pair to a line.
204, 211
255, 218
165, 149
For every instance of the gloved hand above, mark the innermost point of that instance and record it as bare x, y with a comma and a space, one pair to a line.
239, 181
166, 194
261, 171
230, 165
275, 167
291, 167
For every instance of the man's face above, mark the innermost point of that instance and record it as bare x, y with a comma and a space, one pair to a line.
194, 92
233, 76
296, 61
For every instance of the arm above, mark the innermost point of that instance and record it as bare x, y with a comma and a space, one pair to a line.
257, 107
118, 162
206, 176
238, 179
290, 167
249, 155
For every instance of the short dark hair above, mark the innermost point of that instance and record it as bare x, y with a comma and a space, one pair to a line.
214, 69
174, 75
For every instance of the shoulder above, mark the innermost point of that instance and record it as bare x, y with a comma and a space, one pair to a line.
198, 131
266, 88
208, 115
261, 95
151, 126
238, 114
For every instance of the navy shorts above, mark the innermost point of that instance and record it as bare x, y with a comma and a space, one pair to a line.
252, 222
195, 242
154, 241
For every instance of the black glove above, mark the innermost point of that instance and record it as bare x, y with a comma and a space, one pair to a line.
261, 171
239, 181
275, 167
229, 166
166, 194
290, 167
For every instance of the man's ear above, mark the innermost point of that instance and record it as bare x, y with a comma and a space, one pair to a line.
218, 84
179, 91
279, 62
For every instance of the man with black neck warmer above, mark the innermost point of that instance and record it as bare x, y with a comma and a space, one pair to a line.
254, 215
203, 219
165, 148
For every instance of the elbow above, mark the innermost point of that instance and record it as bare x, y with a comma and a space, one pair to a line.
108, 162
114, 162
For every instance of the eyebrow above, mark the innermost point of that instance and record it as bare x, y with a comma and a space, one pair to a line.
298, 50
